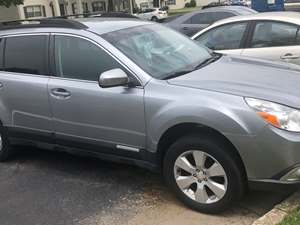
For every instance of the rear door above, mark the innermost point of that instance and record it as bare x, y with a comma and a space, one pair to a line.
228, 38
274, 40
23, 84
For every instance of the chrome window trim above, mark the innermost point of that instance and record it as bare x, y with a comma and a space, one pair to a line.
104, 49
24, 34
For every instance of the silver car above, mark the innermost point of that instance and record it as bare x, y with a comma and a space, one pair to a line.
191, 23
273, 36
138, 92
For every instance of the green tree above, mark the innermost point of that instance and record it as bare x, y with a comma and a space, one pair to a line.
8, 3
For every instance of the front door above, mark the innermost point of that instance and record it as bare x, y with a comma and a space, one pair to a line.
85, 113
226, 39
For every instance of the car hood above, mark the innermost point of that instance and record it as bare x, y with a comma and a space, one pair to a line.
277, 82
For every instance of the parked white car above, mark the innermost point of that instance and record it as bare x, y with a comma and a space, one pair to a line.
273, 36
155, 14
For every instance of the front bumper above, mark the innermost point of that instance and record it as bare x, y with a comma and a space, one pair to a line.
271, 158
273, 185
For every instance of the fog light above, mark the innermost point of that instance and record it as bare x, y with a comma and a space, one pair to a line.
293, 175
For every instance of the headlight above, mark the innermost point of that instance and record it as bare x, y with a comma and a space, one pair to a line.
280, 116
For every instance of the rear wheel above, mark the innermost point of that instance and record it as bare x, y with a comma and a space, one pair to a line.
5, 149
203, 174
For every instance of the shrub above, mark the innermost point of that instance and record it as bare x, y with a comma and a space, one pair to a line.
187, 5
193, 3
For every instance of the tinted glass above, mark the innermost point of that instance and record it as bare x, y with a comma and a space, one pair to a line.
1, 53
224, 37
157, 49
80, 59
270, 34
221, 15
202, 18
26, 54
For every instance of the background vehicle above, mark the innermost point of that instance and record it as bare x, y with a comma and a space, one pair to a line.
155, 14
275, 36
267, 5
292, 5
191, 23
138, 92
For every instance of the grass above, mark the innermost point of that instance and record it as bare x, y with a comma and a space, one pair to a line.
292, 219
173, 12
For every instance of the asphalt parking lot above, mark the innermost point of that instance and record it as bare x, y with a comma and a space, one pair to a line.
52, 188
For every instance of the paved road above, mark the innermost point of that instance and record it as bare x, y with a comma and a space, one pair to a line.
51, 188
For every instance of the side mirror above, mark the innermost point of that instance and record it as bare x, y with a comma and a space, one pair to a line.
113, 78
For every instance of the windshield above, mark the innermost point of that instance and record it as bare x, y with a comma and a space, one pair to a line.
158, 50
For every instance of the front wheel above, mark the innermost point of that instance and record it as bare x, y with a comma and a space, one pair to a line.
203, 174
154, 19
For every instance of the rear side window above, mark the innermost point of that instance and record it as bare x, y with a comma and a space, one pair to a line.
1, 53
26, 54
272, 34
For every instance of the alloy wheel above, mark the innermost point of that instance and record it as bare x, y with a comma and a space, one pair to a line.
200, 176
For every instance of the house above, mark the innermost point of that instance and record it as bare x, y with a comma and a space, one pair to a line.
173, 4
33, 9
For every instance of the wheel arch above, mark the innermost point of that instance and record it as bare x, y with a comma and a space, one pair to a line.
184, 129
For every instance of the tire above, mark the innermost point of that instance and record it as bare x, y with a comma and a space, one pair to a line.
5, 148
154, 19
194, 184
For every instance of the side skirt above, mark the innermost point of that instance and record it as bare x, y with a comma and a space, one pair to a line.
106, 151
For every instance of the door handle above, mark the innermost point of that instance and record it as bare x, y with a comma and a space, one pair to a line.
185, 28
60, 93
290, 56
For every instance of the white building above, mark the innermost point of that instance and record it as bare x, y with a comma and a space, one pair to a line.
173, 4
33, 9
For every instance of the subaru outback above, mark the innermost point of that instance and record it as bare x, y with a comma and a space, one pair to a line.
136, 92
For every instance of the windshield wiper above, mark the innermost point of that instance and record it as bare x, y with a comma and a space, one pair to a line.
210, 60
213, 58
177, 74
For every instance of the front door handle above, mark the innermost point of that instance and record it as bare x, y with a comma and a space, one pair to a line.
290, 56
185, 28
60, 93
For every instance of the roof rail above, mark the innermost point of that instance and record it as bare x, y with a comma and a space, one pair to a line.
98, 14
45, 22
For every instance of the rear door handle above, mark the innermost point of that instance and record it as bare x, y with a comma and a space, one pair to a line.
60, 93
290, 56
185, 28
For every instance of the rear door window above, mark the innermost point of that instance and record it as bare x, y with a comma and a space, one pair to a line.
273, 34
26, 54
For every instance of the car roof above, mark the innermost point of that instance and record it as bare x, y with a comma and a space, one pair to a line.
105, 25
99, 25
291, 17
237, 10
